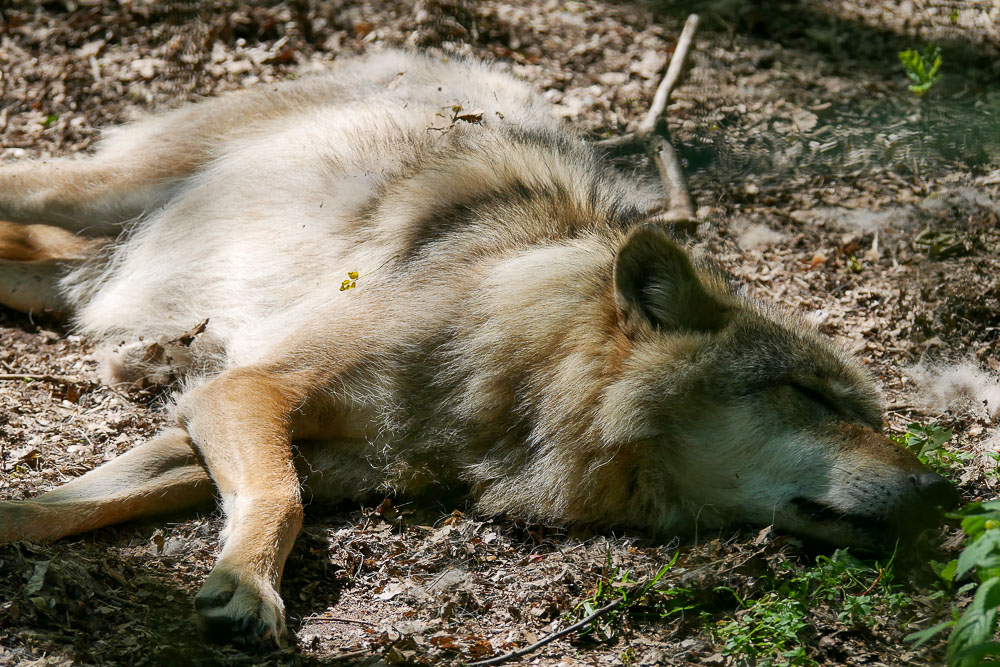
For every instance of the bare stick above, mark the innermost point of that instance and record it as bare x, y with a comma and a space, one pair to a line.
550, 638
40, 378
679, 206
659, 105
336, 619
650, 135
647, 125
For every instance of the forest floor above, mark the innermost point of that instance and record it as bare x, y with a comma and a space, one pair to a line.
821, 182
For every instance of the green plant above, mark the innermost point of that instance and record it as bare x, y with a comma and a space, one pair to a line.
768, 630
922, 439
972, 632
855, 586
995, 472
922, 68
618, 584
927, 441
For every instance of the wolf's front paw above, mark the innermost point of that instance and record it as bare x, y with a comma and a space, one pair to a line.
237, 606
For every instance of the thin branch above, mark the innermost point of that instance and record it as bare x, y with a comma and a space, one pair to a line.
40, 378
647, 125
624, 144
874, 583
550, 638
670, 79
651, 135
679, 206
336, 619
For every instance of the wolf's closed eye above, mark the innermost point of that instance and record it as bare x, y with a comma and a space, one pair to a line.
817, 398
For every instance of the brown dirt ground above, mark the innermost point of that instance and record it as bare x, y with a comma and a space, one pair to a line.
823, 184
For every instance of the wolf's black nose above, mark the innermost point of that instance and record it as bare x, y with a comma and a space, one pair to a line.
935, 490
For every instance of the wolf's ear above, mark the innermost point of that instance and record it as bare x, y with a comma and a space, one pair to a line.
656, 286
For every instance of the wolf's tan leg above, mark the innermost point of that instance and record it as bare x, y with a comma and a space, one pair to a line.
135, 169
32, 286
33, 258
240, 422
161, 475
91, 196
37, 243
138, 166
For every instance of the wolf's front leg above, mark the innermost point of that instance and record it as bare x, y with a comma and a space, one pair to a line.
161, 475
240, 422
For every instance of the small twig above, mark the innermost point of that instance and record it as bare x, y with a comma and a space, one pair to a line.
624, 144
647, 126
874, 583
651, 134
679, 206
659, 105
188, 336
40, 378
625, 601
337, 619
550, 638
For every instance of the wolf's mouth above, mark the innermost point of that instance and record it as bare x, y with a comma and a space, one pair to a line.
821, 513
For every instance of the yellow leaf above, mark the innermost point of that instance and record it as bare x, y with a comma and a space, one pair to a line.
345, 285
353, 275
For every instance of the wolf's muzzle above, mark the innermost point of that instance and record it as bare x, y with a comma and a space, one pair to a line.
935, 491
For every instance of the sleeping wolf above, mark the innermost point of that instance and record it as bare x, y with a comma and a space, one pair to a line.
516, 327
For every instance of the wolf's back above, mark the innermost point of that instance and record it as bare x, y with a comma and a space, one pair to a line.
320, 177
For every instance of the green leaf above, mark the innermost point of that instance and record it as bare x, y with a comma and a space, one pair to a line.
948, 571
921, 637
922, 68
983, 553
988, 506
972, 656
974, 526
937, 436
973, 633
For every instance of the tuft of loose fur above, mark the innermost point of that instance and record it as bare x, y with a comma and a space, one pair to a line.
961, 386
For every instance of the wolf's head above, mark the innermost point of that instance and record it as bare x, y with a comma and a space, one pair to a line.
750, 415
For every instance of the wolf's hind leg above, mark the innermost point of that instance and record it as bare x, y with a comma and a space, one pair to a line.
33, 258
92, 196
32, 286
161, 475
136, 168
